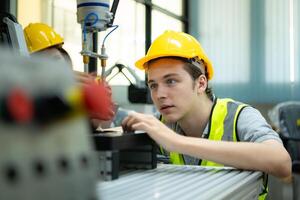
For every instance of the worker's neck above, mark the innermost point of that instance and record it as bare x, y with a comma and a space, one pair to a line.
194, 123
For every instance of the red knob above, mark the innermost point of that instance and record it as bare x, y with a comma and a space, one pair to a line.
20, 106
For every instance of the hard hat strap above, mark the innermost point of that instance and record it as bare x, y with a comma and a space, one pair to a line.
197, 63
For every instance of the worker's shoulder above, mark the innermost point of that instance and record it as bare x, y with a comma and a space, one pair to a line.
228, 100
253, 127
251, 117
249, 112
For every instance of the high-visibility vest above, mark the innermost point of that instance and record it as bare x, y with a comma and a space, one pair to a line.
223, 127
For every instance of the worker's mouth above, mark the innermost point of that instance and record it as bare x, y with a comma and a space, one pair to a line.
166, 108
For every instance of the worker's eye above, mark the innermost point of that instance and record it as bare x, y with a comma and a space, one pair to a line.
171, 81
152, 86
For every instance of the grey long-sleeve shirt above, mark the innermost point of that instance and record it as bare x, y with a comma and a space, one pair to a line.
251, 127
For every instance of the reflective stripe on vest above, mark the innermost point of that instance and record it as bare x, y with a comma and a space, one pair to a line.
223, 123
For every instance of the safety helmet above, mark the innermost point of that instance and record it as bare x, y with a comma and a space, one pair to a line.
40, 36
178, 44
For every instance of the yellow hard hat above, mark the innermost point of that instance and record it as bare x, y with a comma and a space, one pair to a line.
40, 36
179, 44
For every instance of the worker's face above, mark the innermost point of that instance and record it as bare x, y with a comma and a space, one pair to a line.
52, 53
173, 91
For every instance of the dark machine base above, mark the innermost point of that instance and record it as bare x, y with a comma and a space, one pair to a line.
118, 152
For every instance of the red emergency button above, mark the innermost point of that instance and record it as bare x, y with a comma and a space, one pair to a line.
19, 106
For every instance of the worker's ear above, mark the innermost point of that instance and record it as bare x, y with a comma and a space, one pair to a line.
201, 84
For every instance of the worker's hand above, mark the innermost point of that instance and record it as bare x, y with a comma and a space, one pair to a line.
98, 101
155, 129
106, 85
96, 123
97, 96
105, 122
84, 78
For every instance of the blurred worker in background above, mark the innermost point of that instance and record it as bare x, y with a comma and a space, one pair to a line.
195, 127
42, 40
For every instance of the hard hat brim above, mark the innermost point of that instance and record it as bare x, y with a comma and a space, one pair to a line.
42, 48
141, 63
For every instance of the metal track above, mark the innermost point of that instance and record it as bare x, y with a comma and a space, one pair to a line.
183, 182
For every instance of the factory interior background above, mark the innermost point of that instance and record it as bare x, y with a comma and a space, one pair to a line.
254, 46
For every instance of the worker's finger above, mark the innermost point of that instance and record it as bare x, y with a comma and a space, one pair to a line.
84, 81
108, 89
105, 84
138, 116
124, 121
83, 78
109, 116
130, 122
94, 74
124, 125
83, 74
142, 126
127, 123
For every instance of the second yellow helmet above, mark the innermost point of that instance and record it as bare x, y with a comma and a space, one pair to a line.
40, 36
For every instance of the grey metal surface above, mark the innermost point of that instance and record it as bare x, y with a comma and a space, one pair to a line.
17, 37
279, 190
183, 182
105, 165
43, 162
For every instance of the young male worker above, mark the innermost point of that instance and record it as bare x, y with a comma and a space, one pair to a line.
195, 127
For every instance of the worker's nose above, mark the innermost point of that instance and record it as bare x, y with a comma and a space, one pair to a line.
161, 92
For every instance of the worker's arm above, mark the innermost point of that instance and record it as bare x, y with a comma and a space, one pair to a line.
269, 156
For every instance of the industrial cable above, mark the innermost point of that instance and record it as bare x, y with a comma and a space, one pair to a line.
115, 27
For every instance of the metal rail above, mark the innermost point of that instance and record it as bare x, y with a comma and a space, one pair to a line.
184, 182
